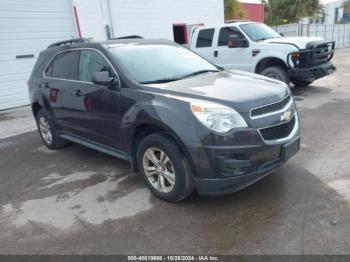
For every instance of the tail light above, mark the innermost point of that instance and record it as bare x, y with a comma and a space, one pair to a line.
28, 83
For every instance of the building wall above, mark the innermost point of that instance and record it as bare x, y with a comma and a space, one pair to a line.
254, 12
330, 12
154, 18
330, 17
26, 28
149, 18
92, 16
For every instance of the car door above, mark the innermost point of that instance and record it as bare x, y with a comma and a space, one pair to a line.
57, 87
96, 106
235, 57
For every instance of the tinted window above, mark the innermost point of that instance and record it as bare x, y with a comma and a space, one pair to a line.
225, 32
63, 66
205, 38
91, 62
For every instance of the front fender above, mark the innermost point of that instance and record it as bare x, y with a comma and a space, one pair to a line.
171, 115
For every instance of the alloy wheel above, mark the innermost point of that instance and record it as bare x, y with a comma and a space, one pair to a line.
45, 130
159, 170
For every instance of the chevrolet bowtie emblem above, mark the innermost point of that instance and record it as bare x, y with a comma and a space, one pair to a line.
286, 116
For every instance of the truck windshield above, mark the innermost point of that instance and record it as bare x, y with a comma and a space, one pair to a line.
259, 32
156, 63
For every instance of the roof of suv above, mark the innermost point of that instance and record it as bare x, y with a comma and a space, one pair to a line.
83, 42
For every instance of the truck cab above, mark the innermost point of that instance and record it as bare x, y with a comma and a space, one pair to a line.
256, 48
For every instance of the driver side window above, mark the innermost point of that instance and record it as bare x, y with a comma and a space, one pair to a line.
225, 32
91, 62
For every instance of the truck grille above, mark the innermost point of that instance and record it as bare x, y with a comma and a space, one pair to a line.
278, 131
270, 108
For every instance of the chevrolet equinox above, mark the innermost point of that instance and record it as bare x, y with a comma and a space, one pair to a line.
182, 122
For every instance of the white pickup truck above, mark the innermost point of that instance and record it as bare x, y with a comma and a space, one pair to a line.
257, 48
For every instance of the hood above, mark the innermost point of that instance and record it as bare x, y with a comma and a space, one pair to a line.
238, 89
300, 42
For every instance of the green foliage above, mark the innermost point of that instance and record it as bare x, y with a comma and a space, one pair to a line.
233, 10
346, 4
290, 11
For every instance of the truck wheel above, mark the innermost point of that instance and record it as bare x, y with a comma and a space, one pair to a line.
276, 72
164, 168
301, 83
47, 131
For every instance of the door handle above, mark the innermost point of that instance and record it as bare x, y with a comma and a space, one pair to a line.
216, 53
77, 93
44, 85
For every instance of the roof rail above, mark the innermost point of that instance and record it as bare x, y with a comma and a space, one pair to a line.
128, 37
69, 42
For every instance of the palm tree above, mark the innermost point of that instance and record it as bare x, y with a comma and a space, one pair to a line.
233, 10
290, 11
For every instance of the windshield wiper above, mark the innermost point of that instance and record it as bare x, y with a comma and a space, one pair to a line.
172, 79
162, 80
199, 73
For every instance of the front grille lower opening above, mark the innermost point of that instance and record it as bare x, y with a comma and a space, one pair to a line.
279, 131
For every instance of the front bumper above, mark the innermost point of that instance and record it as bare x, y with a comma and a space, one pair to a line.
312, 73
241, 159
237, 174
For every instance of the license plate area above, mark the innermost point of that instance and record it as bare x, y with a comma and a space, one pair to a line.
288, 150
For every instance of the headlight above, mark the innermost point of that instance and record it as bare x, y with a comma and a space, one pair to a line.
217, 117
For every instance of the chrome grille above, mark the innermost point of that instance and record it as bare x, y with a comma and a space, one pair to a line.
270, 108
278, 131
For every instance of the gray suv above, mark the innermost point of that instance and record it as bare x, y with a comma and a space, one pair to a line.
182, 122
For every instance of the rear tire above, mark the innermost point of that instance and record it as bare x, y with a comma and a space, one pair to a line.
276, 72
164, 168
47, 131
301, 83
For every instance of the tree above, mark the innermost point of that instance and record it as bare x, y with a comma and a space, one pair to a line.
233, 10
346, 4
290, 11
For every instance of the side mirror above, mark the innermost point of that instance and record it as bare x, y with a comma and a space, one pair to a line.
104, 78
281, 34
234, 42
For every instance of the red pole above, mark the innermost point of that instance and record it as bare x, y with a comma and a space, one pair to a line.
77, 20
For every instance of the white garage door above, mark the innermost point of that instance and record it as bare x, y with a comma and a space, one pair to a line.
27, 27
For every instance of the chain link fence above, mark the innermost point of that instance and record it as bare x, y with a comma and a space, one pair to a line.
336, 32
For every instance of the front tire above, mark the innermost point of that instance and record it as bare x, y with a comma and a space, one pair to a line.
164, 168
276, 72
47, 131
301, 83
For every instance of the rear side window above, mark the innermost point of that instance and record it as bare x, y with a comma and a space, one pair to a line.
225, 32
91, 62
205, 38
62, 66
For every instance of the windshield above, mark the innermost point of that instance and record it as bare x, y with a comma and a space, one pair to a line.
258, 32
160, 63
